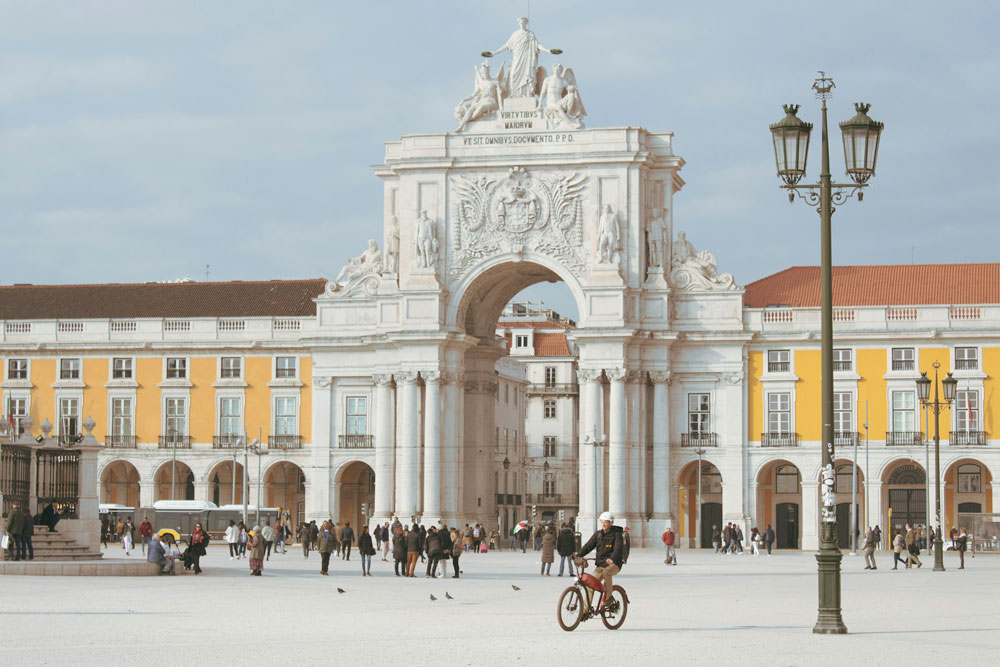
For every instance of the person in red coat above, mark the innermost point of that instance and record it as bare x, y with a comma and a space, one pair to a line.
668, 541
145, 533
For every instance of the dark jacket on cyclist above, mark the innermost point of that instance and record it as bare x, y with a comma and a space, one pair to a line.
608, 546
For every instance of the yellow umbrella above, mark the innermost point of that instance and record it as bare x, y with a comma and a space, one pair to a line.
169, 531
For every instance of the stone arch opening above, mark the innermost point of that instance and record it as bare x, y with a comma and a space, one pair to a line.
696, 523
355, 492
173, 480
284, 486
120, 483
843, 468
779, 502
967, 483
225, 483
904, 495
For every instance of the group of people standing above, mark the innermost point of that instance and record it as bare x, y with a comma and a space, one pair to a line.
410, 544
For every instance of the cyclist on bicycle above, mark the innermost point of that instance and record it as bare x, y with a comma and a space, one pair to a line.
608, 556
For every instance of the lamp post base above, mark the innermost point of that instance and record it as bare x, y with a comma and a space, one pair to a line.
829, 620
938, 552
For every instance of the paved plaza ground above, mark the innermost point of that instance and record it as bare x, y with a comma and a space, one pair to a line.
710, 609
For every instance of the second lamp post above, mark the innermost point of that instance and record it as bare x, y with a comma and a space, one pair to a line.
950, 386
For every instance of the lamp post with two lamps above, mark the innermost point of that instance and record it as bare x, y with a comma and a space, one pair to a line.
950, 386
791, 147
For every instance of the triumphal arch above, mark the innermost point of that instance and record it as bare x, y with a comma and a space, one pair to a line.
519, 191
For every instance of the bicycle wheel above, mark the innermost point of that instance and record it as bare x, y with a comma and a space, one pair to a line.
570, 611
615, 608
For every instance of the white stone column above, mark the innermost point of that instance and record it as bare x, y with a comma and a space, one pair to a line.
809, 519
147, 491
876, 515
385, 405
634, 479
452, 404
318, 505
662, 501
617, 438
431, 514
407, 449
591, 427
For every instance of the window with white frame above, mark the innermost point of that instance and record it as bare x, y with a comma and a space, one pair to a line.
177, 368
176, 421
17, 369
520, 341
699, 414
844, 479
843, 412
548, 445
284, 367
786, 479
230, 413
779, 361
284, 416
121, 416
549, 484
550, 376
779, 413
967, 410
969, 478
549, 408
17, 410
843, 359
966, 358
357, 415
231, 368
69, 416
904, 411
903, 359
69, 369
121, 368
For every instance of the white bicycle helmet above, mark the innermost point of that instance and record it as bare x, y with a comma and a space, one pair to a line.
607, 516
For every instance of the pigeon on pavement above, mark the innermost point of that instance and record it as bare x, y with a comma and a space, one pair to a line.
515, 587
433, 598
448, 595
341, 590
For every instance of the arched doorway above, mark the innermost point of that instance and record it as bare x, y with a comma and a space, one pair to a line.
843, 486
169, 485
120, 484
905, 484
285, 487
355, 485
693, 524
966, 491
225, 483
779, 503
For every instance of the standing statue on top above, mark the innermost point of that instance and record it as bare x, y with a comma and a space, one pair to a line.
523, 76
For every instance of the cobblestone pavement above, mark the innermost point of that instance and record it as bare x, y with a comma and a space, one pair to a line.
710, 609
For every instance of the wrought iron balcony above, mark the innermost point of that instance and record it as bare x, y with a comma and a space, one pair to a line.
779, 366
227, 442
552, 388
903, 438
903, 364
845, 438
842, 366
356, 441
284, 441
699, 439
173, 441
968, 438
779, 439
120, 441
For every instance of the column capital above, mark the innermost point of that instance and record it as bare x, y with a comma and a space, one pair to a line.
616, 374
453, 377
406, 377
382, 379
322, 381
634, 376
659, 377
431, 377
588, 375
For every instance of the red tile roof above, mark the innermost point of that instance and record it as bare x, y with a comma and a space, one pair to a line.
270, 298
880, 285
551, 345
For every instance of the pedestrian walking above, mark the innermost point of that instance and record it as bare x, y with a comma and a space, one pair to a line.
897, 549
15, 522
912, 541
27, 532
548, 542
456, 551
268, 534
565, 545
232, 537
870, 549
445, 536
727, 534
715, 538
198, 544
768, 538
244, 541
961, 544
399, 551
367, 550
422, 542
412, 550
433, 543
145, 533
257, 553
324, 544
127, 538
755, 540
386, 540
346, 541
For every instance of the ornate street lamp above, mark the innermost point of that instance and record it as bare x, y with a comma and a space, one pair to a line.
791, 148
950, 386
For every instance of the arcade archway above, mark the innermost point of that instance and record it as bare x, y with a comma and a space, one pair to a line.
225, 483
173, 481
844, 484
779, 503
120, 484
696, 524
904, 484
285, 487
967, 484
355, 488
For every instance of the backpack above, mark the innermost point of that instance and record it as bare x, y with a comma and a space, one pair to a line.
205, 539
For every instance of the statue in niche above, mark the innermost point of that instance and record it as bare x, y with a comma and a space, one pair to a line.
523, 76
691, 269
656, 228
392, 246
484, 100
426, 242
608, 237
562, 98
357, 268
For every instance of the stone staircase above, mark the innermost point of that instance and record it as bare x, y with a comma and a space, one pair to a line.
56, 547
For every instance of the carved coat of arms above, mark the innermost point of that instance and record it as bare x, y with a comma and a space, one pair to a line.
517, 214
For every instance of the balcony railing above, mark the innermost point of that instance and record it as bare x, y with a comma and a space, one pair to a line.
903, 438
966, 364
284, 441
227, 442
120, 441
69, 439
699, 439
356, 441
843, 366
968, 438
175, 441
779, 439
845, 438
779, 366
903, 364
552, 388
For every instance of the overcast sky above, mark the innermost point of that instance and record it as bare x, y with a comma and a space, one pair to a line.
143, 140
